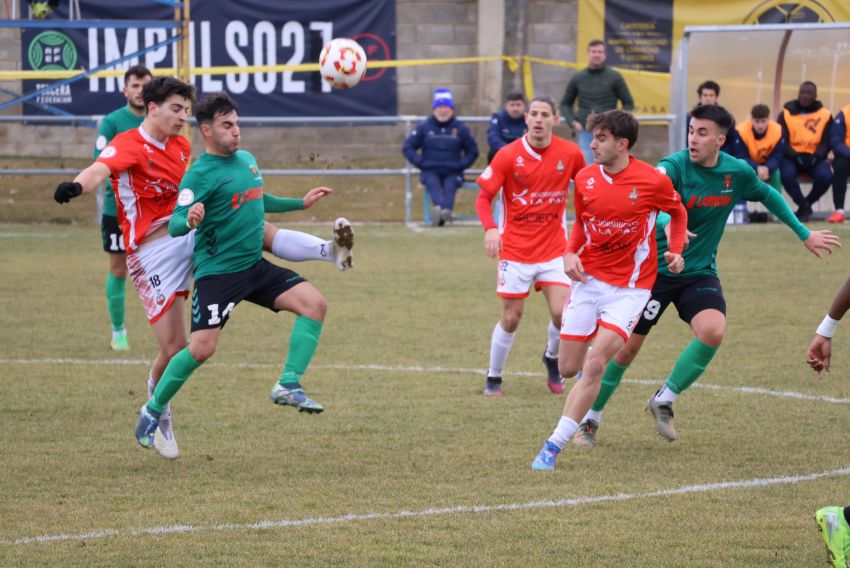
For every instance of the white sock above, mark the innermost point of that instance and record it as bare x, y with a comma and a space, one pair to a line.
296, 246
500, 346
554, 341
117, 332
563, 432
665, 395
594, 415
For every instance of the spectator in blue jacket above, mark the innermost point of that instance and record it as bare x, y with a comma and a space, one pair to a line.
508, 124
447, 149
839, 140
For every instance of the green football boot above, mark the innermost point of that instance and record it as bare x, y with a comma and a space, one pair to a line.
836, 534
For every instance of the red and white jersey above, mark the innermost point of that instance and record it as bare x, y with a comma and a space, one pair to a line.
535, 184
615, 222
146, 175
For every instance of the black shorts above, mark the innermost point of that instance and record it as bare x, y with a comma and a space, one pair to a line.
113, 240
690, 295
216, 296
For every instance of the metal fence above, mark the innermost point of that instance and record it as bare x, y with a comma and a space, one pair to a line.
408, 171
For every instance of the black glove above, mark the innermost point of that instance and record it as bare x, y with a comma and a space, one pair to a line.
66, 191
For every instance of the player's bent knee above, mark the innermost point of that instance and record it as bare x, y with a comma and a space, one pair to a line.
626, 355
712, 337
200, 352
568, 370
317, 309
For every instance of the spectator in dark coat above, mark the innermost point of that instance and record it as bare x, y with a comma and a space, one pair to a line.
508, 124
442, 147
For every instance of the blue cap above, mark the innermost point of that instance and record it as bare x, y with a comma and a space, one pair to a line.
443, 97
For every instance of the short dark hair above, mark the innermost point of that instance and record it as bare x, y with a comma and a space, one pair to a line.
760, 111
158, 89
619, 123
515, 96
808, 84
595, 42
708, 85
139, 71
214, 105
545, 99
716, 114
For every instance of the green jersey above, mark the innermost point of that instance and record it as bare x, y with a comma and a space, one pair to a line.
230, 237
709, 194
112, 124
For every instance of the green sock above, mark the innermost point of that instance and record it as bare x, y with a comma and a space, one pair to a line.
610, 381
115, 300
690, 365
179, 369
302, 345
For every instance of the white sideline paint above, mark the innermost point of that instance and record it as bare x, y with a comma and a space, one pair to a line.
417, 369
458, 510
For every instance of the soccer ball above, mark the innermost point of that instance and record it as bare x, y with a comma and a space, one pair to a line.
342, 63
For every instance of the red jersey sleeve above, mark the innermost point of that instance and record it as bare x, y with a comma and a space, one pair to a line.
492, 178
121, 154
669, 201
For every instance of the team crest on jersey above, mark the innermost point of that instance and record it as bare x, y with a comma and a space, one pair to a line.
590, 182
727, 183
633, 195
148, 149
560, 167
254, 170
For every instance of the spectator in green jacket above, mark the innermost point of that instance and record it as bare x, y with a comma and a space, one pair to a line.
597, 88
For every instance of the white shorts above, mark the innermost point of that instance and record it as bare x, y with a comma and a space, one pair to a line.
515, 278
160, 271
595, 303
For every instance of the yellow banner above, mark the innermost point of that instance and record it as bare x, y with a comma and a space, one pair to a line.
640, 35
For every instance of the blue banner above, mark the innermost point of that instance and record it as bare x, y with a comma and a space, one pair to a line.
234, 32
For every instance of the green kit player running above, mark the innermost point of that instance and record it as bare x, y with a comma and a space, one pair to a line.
126, 118
222, 195
710, 183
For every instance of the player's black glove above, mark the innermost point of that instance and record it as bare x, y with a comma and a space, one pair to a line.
66, 191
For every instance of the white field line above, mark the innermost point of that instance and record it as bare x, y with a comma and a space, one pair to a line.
31, 235
417, 369
457, 510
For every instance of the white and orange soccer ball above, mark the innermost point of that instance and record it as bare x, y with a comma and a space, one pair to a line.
342, 63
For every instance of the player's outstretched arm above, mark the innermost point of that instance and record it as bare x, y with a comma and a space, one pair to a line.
819, 353
86, 181
316, 194
821, 241
820, 349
